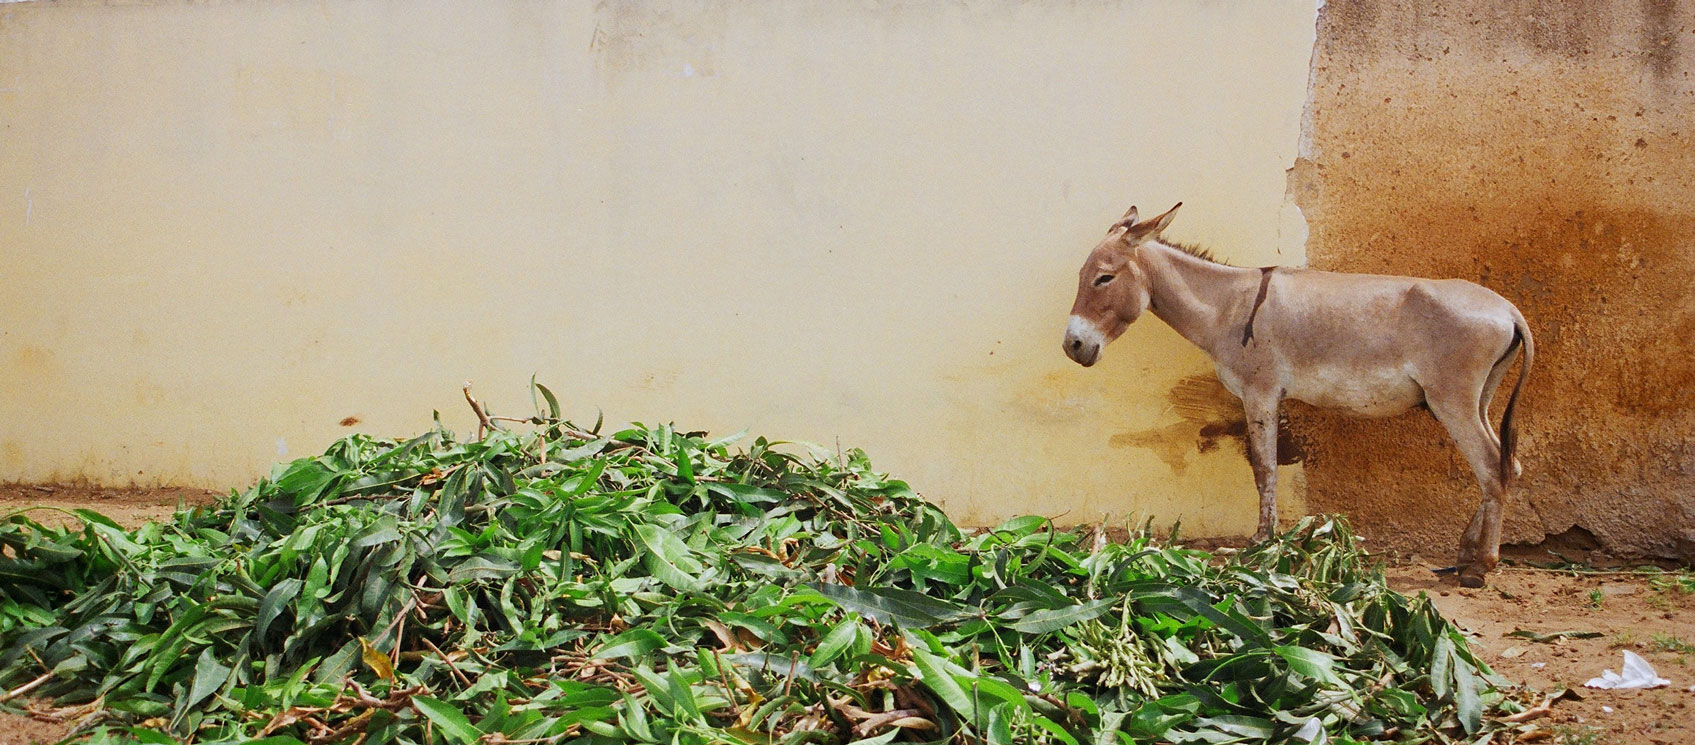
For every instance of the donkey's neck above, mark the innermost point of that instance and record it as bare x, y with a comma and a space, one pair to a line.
1192, 295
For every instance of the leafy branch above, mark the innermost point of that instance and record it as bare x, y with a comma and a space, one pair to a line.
557, 584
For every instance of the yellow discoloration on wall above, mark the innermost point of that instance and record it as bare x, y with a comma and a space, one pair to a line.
230, 225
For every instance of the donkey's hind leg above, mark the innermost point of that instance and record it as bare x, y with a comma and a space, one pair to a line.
1480, 546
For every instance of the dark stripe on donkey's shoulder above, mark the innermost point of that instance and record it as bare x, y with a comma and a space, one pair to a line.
1264, 286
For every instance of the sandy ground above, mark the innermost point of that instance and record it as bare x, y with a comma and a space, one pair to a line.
1631, 612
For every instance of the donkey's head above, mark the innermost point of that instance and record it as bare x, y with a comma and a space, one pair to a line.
1112, 288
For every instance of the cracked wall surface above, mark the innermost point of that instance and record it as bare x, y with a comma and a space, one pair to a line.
1546, 150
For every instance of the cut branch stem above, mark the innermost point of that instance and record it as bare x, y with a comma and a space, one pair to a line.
484, 425
27, 687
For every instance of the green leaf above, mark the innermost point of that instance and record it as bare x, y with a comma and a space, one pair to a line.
1310, 663
884, 739
633, 719
748, 493
835, 643
1441, 666
682, 698
668, 558
209, 676
685, 464
154, 737
933, 673
483, 567
385, 530
987, 687
1249, 729
1467, 703
1053, 728
453, 724
279, 597
552, 401
1229, 618
634, 643
1046, 621
886, 604
999, 729
781, 667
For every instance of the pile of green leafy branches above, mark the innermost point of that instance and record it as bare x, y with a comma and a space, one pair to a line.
648, 585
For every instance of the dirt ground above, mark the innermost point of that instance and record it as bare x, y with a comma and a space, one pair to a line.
1654, 620
127, 506
1629, 611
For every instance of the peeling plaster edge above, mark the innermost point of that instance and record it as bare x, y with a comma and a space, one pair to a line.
1292, 238
1293, 230
1304, 147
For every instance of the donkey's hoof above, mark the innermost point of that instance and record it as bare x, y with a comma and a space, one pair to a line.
1471, 580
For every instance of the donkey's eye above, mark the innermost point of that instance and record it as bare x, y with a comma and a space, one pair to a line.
1103, 279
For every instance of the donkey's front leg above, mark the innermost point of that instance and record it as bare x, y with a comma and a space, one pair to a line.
1261, 411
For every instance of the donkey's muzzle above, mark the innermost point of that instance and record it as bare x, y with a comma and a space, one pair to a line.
1082, 342
1082, 354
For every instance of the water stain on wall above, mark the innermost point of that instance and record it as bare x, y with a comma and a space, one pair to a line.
675, 39
1209, 416
30, 359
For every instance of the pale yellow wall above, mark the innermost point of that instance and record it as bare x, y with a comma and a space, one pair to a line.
226, 226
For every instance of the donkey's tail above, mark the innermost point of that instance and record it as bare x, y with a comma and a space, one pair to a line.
1509, 433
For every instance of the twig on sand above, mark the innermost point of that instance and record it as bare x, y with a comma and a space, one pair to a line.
27, 687
1538, 711
1583, 571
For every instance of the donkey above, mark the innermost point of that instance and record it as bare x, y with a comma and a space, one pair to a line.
1369, 344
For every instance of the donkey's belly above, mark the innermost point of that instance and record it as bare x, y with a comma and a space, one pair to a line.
1368, 394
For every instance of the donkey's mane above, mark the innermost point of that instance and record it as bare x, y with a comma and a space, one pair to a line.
1198, 252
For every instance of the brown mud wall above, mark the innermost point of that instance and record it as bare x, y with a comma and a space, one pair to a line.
1547, 151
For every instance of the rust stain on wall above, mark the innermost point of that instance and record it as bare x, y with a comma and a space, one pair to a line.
1546, 152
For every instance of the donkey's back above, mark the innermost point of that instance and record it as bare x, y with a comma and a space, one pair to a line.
1375, 345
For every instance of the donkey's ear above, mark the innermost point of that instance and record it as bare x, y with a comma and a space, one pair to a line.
1152, 228
1128, 220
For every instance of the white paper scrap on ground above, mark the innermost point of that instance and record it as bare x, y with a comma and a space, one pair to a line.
1311, 731
1637, 674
